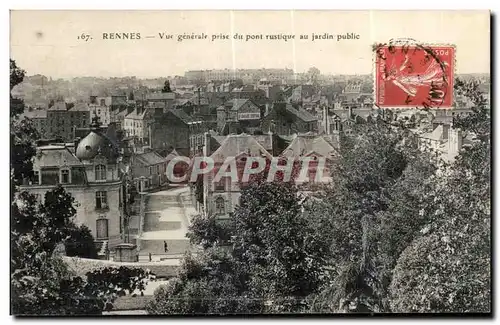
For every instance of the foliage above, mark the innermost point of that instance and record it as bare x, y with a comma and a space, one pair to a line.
211, 283
207, 231
275, 263
41, 283
22, 135
448, 268
81, 243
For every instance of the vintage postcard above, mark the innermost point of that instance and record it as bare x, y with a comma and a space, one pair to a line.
250, 162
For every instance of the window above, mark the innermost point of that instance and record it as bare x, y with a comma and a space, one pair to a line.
36, 177
64, 176
50, 176
150, 170
78, 175
220, 206
103, 102
157, 169
102, 228
101, 200
100, 173
220, 185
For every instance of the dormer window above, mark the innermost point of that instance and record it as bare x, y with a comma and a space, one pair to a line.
100, 173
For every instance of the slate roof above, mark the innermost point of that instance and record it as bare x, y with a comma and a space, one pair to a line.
149, 158
304, 145
235, 145
171, 155
80, 107
135, 116
37, 113
301, 113
58, 106
55, 156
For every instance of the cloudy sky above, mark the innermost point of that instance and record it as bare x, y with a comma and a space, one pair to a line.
46, 42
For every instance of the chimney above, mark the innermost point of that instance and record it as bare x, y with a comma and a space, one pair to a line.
76, 141
206, 146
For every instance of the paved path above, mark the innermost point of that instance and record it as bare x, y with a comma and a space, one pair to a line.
166, 218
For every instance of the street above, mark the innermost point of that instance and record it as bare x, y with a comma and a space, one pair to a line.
166, 219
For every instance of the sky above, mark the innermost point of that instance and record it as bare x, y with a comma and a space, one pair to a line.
46, 42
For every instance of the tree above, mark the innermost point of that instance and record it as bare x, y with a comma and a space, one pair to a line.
41, 283
211, 283
81, 243
207, 231
275, 263
22, 134
279, 244
371, 205
455, 244
166, 87
131, 95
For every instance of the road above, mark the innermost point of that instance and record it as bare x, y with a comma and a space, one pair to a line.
166, 218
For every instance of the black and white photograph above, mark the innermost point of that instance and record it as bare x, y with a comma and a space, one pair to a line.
246, 162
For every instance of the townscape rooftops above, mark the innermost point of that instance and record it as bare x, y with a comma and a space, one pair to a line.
80, 107
96, 143
149, 158
161, 96
55, 156
134, 115
305, 145
37, 113
235, 145
301, 113
171, 155
184, 117
58, 106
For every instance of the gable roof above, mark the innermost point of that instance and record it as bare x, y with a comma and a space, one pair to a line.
80, 107
236, 144
149, 158
304, 145
135, 116
172, 155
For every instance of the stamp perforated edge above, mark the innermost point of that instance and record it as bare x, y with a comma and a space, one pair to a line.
414, 42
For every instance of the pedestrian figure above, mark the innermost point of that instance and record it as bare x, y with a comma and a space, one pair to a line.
165, 246
150, 257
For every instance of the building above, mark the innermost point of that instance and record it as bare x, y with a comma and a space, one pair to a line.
149, 167
39, 119
61, 121
285, 119
174, 128
238, 116
91, 174
135, 124
250, 75
220, 198
313, 147
167, 99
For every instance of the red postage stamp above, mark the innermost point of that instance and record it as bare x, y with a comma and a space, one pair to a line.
414, 76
